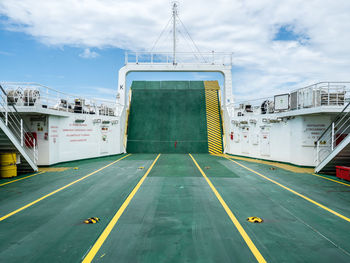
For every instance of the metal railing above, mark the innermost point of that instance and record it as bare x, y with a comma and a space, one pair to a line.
209, 58
321, 94
333, 135
36, 95
13, 120
316, 95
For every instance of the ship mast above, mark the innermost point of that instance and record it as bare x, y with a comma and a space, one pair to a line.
174, 31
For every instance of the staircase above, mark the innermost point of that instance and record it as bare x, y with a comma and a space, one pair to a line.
15, 136
333, 146
213, 117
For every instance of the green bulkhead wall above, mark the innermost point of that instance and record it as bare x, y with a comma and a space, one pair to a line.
167, 117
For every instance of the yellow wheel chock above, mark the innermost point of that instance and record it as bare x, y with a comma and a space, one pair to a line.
91, 220
254, 219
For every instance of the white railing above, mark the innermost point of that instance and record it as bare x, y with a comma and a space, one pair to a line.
316, 95
13, 120
333, 135
321, 94
210, 58
22, 94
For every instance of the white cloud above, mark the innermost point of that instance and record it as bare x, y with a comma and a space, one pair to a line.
245, 27
88, 54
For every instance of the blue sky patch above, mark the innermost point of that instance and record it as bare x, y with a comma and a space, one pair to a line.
287, 33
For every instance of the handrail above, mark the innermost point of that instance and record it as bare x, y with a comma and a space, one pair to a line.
30, 94
56, 91
222, 58
18, 127
321, 94
333, 135
13, 106
335, 120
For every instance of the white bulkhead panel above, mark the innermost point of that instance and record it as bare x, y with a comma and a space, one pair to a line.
245, 140
265, 141
255, 139
79, 137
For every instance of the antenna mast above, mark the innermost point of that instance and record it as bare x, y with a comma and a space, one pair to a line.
175, 5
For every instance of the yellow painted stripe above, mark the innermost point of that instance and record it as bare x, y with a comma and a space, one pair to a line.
215, 143
292, 191
287, 167
213, 139
96, 247
12, 181
213, 122
234, 220
331, 179
215, 147
58, 190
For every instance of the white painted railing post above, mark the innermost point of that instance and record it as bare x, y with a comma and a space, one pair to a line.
328, 96
317, 153
22, 132
6, 116
332, 136
34, 142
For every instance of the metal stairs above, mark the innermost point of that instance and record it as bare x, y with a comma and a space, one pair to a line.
213, 117
15, 136
333, 146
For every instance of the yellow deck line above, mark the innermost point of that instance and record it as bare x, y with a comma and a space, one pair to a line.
10, 182
330, 179
287, 167
234, 220
283, 166
58, 190
96, 247
292, 191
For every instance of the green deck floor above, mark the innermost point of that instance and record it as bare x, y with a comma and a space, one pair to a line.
174, 216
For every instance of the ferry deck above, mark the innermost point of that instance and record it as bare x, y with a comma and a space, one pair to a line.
174, 208
174, 171
168, 184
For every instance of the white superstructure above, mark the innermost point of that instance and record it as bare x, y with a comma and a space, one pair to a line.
65, 127
287, 127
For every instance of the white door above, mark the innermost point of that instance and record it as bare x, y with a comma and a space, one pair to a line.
265, 143
245, 142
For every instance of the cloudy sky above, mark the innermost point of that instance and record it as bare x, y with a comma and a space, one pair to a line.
78, 45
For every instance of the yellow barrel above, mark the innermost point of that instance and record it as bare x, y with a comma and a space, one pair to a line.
8, 167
